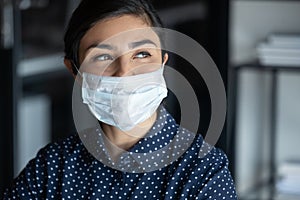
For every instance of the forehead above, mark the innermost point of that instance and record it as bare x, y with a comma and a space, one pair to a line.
118, 30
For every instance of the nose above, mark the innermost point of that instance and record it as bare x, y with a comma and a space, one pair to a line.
123, 66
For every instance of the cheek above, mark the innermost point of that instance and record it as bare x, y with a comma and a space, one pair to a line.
157, 57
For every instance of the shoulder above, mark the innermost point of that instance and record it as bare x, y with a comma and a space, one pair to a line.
57, 155
203, 170
47, 168
66, 147
201, 156
207, 161
199, 152
207, 154
60, 150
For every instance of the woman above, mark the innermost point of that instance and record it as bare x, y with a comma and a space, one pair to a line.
117, 56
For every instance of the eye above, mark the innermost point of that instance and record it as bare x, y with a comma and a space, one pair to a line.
142, 54
103, 57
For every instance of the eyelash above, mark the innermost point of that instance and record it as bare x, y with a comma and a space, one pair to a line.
145, 54
106, 57
100, 57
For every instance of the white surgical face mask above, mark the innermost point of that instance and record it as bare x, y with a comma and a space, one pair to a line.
124, 102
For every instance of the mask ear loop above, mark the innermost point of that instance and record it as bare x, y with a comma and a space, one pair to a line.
77, 69
80, 79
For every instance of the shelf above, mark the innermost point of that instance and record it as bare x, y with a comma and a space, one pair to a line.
40, 65
257, 66
266, 191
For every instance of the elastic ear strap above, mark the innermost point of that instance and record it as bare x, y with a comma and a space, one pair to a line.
73, 63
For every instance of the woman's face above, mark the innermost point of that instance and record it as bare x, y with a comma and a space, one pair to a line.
120, 46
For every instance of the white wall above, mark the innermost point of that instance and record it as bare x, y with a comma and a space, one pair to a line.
34, 117
251, 22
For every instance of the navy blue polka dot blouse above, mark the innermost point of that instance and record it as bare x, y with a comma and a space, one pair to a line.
68, 170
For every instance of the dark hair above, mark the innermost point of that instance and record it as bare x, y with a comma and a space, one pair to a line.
91, 11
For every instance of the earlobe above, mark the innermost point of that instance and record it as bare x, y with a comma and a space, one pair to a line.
166, 57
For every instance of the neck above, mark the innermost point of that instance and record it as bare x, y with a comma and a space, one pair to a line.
120, 141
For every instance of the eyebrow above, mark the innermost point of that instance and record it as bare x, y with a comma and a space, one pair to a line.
140, 43
131, 45
100, 46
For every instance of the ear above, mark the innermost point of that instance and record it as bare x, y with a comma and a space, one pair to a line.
68, 64
166, 57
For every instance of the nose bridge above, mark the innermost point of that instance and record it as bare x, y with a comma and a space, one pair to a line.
123, 65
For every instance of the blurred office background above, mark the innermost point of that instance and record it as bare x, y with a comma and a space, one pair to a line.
261, 133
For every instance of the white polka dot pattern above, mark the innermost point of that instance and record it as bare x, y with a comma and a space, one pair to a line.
161, 146
66, 170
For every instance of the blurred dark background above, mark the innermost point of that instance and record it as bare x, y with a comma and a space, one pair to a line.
261, 133
36, 104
